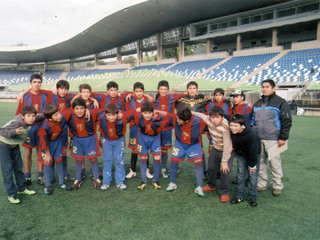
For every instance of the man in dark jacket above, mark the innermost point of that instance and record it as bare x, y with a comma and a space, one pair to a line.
271, 119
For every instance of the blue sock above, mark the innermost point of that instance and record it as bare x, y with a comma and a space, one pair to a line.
164, 159
47, 174
65, 166
53, 172
78, 170
143, 170
60, 172
157, 169
95, 170
40, 174
199, 174
27, 175
173, 171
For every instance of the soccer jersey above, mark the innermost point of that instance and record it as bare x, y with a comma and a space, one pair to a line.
243, 109
223, 105
62, 103
39, 101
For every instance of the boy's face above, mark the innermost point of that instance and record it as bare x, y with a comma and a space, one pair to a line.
216, 119
237, 99
218, 97
36, 85
163, 91
267, 89
79, 111
181, 122
112, 92
85, 94
62, 91
236, 128
29, 118
138, 93
192, 90
112, 117
147, 115
56, 117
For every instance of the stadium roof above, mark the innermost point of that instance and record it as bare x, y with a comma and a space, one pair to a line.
130, 24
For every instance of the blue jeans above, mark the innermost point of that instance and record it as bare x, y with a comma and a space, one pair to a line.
241, 178
11, 163
113, 150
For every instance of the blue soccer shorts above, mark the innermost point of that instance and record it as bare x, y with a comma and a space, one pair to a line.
85, 147
193, 152
146, 143
166, 139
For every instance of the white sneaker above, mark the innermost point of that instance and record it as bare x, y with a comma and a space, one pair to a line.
149, 175
164, 173
131, 174
122, 186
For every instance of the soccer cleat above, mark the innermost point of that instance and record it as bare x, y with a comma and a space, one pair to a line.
236, 200
14, 200
76, 184
207, 188
171, 187
199, 191
97, 184
149, 175
65, 186
28, 181
26, 191
104, 187
224, 198
70, 179
142, 186
122, 186
156, 185
276, 192
41, 181
48, 190
164, 173
131, 174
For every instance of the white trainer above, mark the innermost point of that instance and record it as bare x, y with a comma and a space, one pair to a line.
149, 175
131, 174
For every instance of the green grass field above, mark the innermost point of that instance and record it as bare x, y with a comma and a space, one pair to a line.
155, 214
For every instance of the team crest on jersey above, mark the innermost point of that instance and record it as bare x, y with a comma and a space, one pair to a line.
54, 135
185, 135
36, 106
62, 106
80, 126
163, 106
111, 131
148, 127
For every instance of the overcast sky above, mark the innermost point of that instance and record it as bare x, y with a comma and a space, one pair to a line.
42, 22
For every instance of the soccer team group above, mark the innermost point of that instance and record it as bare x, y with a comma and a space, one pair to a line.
46, 120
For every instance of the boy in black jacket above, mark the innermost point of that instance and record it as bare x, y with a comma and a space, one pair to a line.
246, 145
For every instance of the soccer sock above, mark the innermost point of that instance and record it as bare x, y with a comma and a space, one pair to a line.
40, 174
53, 173
164, 159
65, 166
134, 157
95, 169
47, 174
27, 175
173, 171
143, 169
204, 163
157, 169
60, 172
78, 170
199, 174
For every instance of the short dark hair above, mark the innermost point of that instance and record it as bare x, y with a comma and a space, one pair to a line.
28, 109
163, 83
147, 107
238, 118
36, 76
270, 81
63, 83
138, 85
216, 111
218, 90
184, 114
192, 83
112, 84
79, 102
112, 108
84, 86
49, 110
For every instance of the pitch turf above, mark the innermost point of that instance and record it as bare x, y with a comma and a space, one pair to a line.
155, 214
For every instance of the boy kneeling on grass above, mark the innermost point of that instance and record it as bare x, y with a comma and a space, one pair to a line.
11, 135
247, 146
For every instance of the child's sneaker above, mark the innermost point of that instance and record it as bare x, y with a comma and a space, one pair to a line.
237, 200
76, 184
28, 181
164, 173
65, 186
104, 187
142, 186
14, 200
41, 181
131, 174
199, 191
122, 186
97, 184
171, 187
224, 198
26, 191
48, 190
207, 188
149, 175
156, 185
